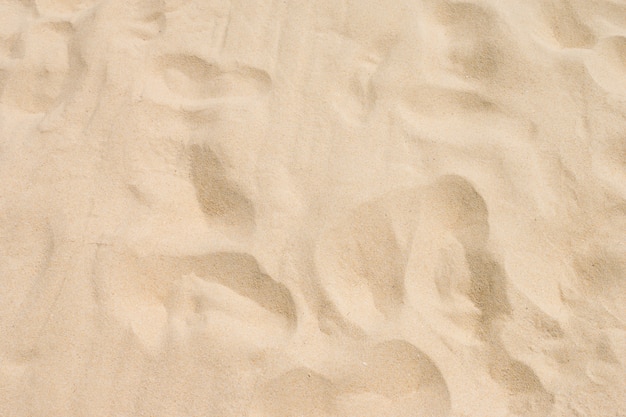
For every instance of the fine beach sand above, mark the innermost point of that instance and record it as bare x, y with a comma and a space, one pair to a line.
269, 208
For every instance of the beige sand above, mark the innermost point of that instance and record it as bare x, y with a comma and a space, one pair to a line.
280, 208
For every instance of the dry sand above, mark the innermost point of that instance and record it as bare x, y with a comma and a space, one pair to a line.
264, 208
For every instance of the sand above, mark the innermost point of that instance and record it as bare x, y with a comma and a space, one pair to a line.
270, 208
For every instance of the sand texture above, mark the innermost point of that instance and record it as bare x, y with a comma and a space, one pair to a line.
291, 208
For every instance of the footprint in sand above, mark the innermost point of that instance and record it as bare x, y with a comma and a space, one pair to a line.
196, 78
392, 378
473, 37
41, 69
423, 252
217, 195
407, 247
225, 296
197, 83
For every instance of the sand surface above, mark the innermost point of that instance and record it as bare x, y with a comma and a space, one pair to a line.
283, 208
